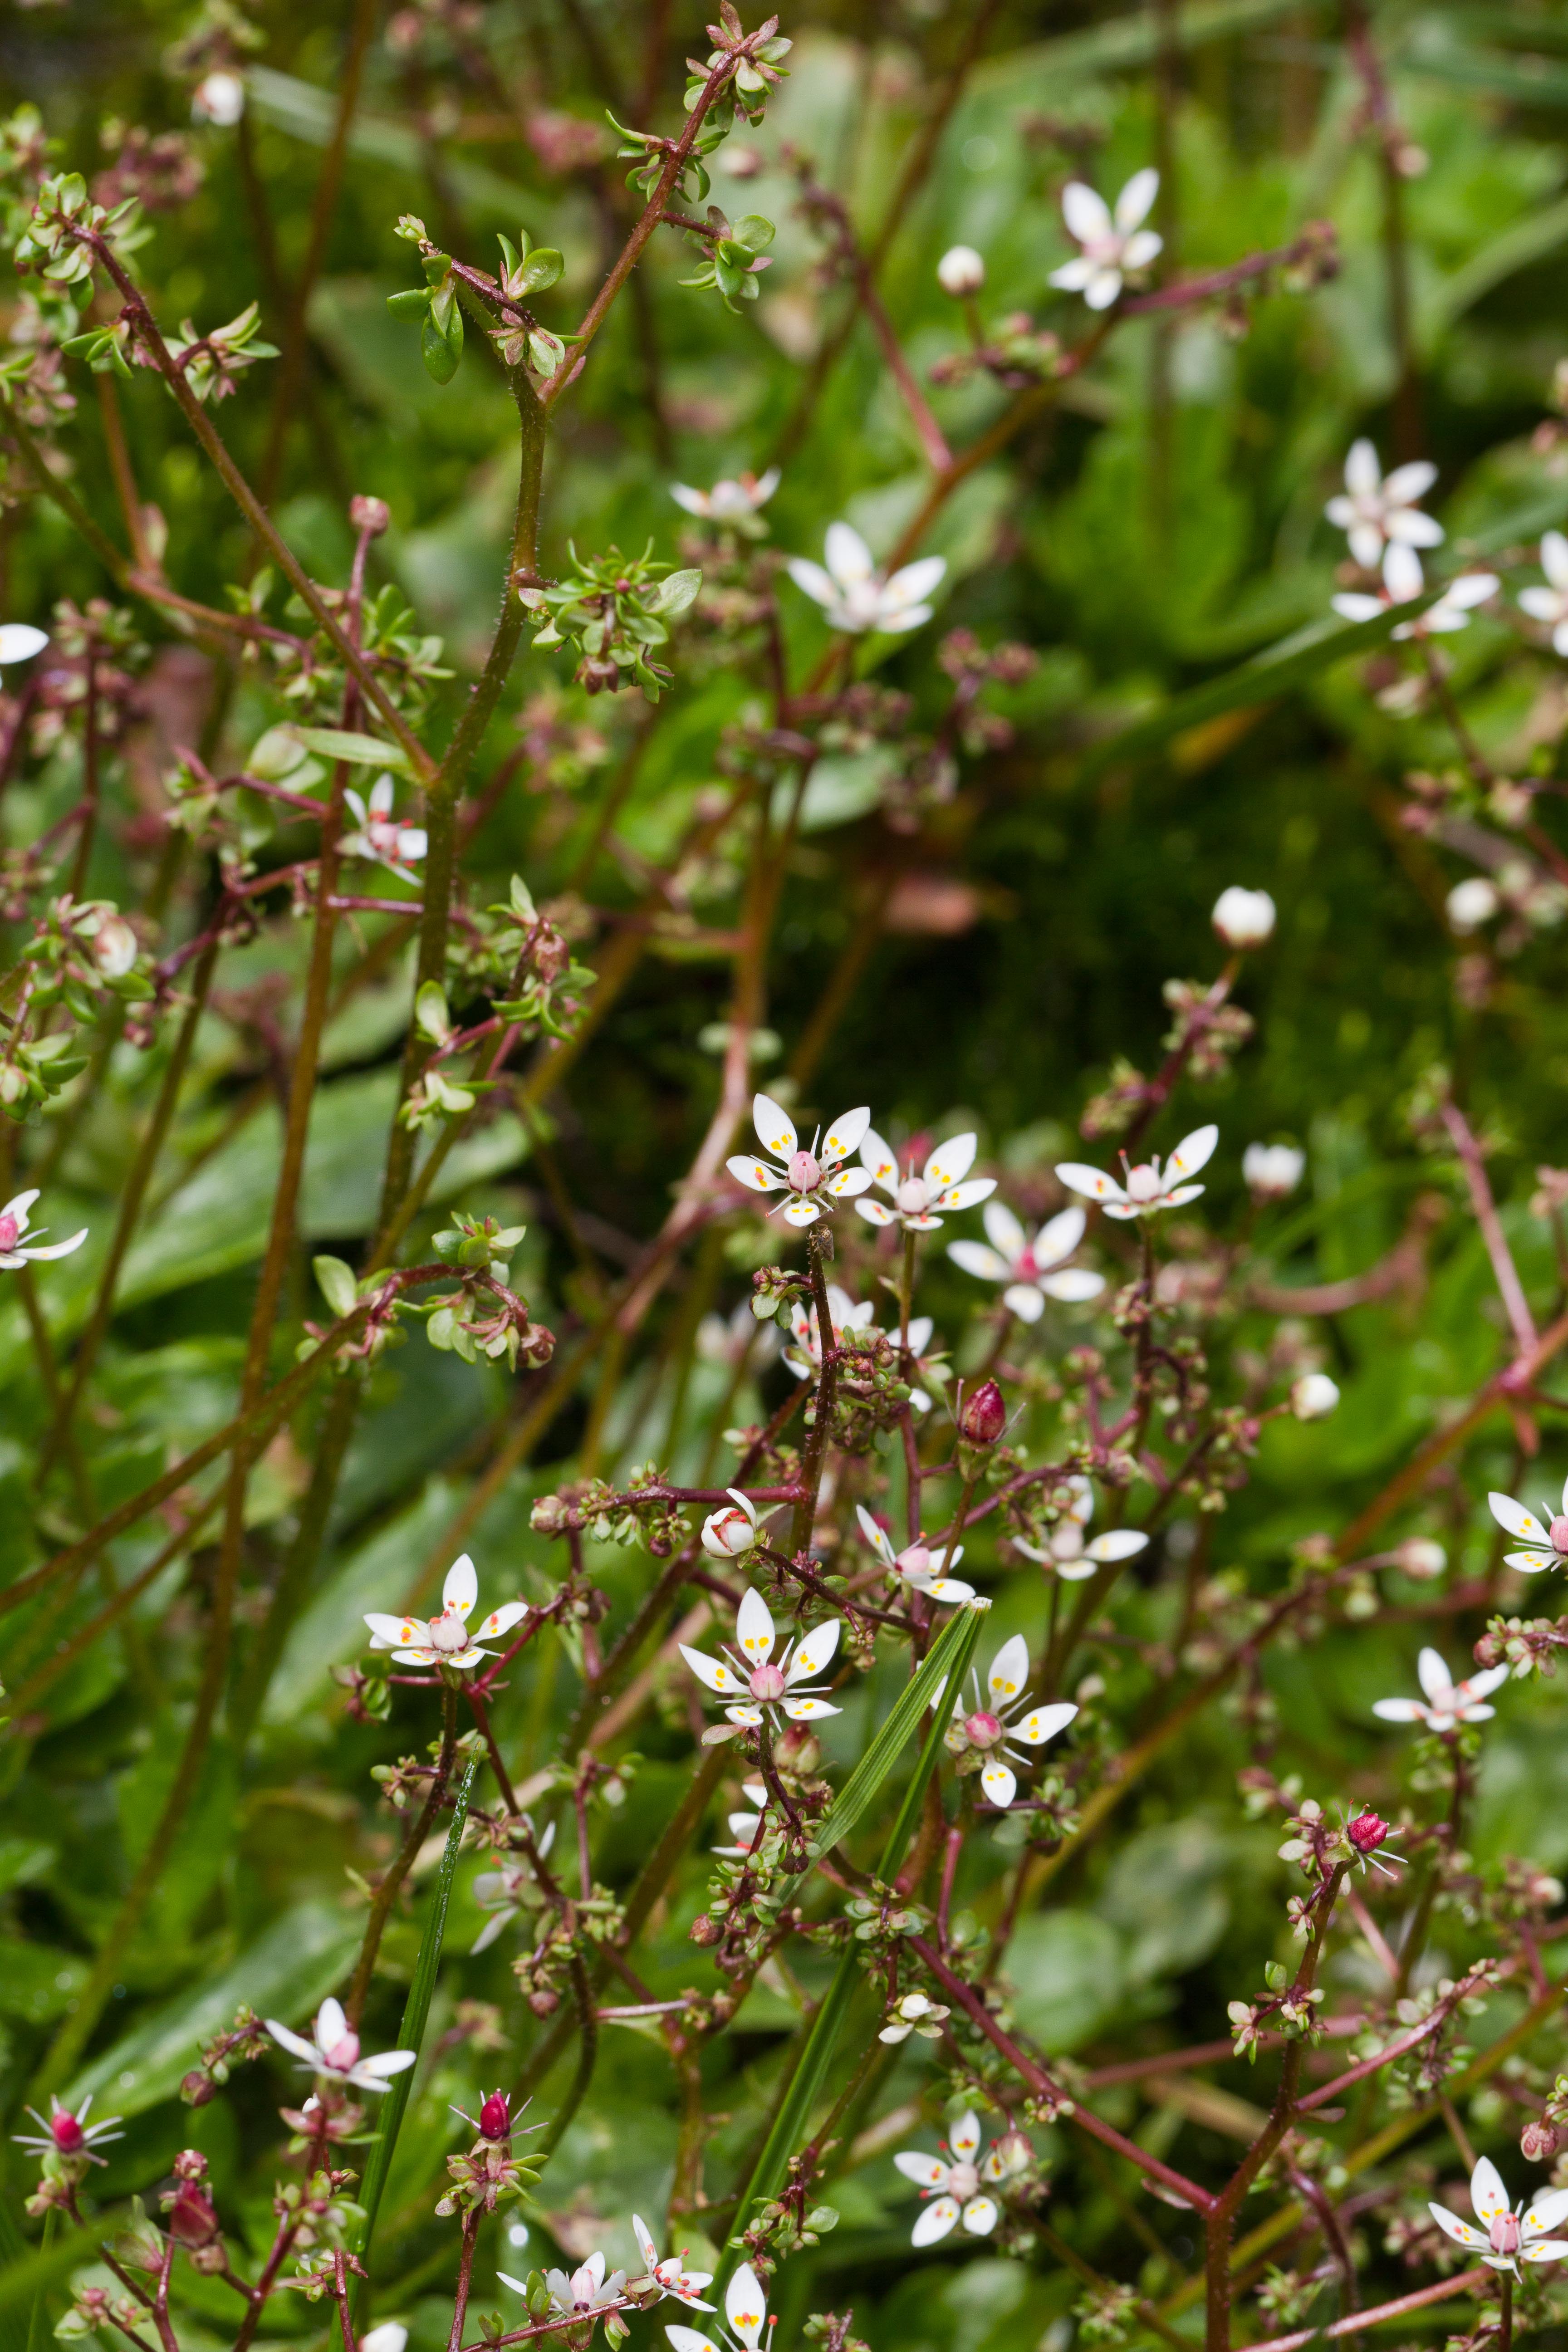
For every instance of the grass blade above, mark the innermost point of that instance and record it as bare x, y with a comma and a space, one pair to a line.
959, 1634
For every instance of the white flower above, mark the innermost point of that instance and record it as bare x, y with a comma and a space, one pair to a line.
1549, 605
445, 1641
503, 1891
954, 2185
389, 2336
1244, 919
752, 1671
1446, 1702
744, 1827
668, 2275
1403, 579
917, 1564
13, 1252
1065, 1549
804, 1357
381, 837
914, 2014
920, 1203
114, 945
728, 501
727, 1533
218, 98
1146, 1188
18, 642
334, 2051
1314, 1397
1513, 2234
1111, 244
988, 1727
737, 1340
853, 592
1375, 510
1419, 1557
68, 2133
1546, 1538
1272, 1170
961, 271
814, 1179
1031, 1263
579, 2294
1471, 903
745, 2313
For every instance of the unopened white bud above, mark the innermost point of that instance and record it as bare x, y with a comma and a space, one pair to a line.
1472, 903
1314, 1397
114, 947
1244, 919
1272, 1170
1419, 1557
961, 271
218, 98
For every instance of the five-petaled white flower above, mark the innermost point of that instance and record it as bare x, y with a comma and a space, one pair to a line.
1548, 604
988, 1727
954, 2185
855, 595
733, 502
381, 837
1446, 1702
745, 2314
18, 642
920, 1203
503, 1892
1065, 1549
1404, 580
1509, 2234
580, 2293
334, 2051
754, 1679
744, 1828
1271, 1172
1031, 1264
920, 1564
731, 1531
914, 2014
14, 1251
1546, 1538
1148, 1187
68, 2133
814, 1179
445, 1641
668, 2275
1375, 510
1112, 243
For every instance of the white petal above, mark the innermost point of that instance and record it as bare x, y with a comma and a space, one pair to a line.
1433, 1674
920, 1328
1542, 2215
999, 1781
775, 1129
684, 2339
1516, 1519
1009, 1671
1545, 2249
646, 2246
1460, 2232
1400, 1710
1132, 204
1085, 212
925, 2171
389, 2062
500, 1621
1356, 608
1482, 1685
948, 1589
849, 557
745, 2306
18, 642
1059, 1238
1363, 475
878, 1161
1116, 1543
1073, 276
801, 1212
1366, 540
1142, 249
1471, 589
814, 582
1102, 290
755, 1628
1415, 530
331, 2024
1541, 603
1193, 1152
967, 1196
1023, 1300
807, 1710
1073, 1283
1409, 482
950, 1162
711, 1671
845, 1182
1402, 574
462, 1589
1488, 2194
964, 2138
390, 1632
875, 1213
846, 1134
814, 1653
912, 586
875, 1536
981, 2216
935, 2222
54, 1249
1043, 1722
422, 1657
1092, 1182
1531, 1562
754, 1173
293, 2041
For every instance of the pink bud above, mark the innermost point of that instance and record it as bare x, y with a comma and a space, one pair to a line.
198, 2089
985, 1415
8, 1233
1558, 1532
982, 1730
369, 515
495, 2116
767, 1682
1538, 2142
1367, 1832
704, 1930
804, 1173
64, 2129
543, 2001
191, 2219
344, 2055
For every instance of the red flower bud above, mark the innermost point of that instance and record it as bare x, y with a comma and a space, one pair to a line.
704, 1930
495, 2116
191, 2216
543, 2002
198, 2088
985, 1415
1538, 2142
1367, 1832
190, 2165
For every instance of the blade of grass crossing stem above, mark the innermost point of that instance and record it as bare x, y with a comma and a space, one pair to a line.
934, 1686
410, 2033
959, 1633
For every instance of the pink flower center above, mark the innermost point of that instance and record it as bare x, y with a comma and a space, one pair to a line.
1504, 2233
914, 1561
8, 1233
342, 2054
1143, 1184
913, 1196
767, 1682
64, 2129
982, 1730
449, 1634
964, 2178
1026, 1267
1559, 1529
804, 1171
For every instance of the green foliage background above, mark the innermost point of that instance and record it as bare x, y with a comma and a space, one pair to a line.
1083, 880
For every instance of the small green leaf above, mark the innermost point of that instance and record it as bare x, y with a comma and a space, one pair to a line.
412, 302
678, 593
430, 1010
338, 743
337, 1284
540, 269
755, 231
436, 351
